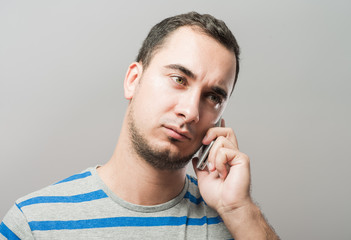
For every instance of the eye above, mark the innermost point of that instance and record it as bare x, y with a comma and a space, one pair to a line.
215, 99
179, 80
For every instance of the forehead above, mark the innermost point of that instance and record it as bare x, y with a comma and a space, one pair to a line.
203, 55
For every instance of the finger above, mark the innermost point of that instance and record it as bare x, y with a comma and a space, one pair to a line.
203, 174
199, 173
240, 170
221, 142
215, 132
240, 158
223, 158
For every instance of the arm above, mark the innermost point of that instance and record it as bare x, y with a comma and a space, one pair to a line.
225, 186
248, 223
15, 225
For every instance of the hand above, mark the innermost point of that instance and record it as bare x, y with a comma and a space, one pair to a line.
225, 183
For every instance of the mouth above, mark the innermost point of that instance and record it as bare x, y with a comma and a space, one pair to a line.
177, 133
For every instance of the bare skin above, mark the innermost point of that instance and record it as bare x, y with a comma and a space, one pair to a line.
176, 109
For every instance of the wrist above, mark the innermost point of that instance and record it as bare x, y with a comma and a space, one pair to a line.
246, 211
237, 208
244, 222
248, 222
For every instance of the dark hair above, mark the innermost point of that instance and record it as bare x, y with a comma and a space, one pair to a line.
206, 23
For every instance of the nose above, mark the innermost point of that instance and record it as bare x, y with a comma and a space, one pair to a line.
188, 106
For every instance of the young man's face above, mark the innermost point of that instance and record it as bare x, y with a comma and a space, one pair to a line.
181, 94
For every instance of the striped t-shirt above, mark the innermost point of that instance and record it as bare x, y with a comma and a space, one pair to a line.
83, 207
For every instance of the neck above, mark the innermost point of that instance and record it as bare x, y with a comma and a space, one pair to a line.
134, 180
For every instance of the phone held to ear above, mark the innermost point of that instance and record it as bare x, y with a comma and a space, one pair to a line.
205, 150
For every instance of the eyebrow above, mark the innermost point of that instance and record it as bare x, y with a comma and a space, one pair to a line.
218, 90
181, 68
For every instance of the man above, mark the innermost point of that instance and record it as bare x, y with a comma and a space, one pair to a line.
177, 90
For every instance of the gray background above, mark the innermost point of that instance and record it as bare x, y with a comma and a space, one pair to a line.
62, 64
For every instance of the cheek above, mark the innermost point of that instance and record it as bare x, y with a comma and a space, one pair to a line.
153, 99
160, 94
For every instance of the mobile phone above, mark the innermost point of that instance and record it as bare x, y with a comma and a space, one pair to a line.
204, 151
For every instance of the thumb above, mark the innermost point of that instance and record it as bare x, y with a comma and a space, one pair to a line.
200, 174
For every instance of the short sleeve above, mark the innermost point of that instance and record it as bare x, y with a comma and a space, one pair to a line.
15, 226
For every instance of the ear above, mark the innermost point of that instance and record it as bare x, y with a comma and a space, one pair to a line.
132, 79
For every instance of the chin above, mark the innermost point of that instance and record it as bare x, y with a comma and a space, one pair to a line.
164, 154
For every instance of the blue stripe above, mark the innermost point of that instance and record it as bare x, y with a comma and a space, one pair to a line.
75, 177
193, 199
18, 207
7, 233
121, 222
64, 199
193, 180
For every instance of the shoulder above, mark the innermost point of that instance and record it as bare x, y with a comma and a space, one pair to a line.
47, 202
73, 185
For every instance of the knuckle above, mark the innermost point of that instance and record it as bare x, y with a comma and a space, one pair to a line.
221, 138
231, 132
245, 156
222, 152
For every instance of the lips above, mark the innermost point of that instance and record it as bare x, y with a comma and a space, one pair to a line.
177, 133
